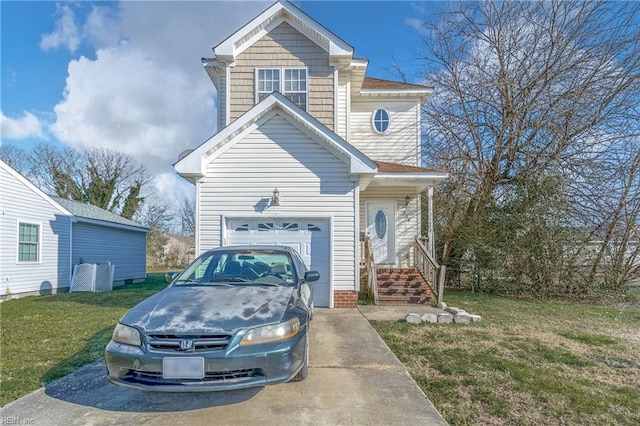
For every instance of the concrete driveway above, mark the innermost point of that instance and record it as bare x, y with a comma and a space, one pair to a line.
354, 379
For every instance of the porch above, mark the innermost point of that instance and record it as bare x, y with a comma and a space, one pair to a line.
419, 283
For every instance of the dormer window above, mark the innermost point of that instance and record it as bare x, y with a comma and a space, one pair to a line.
291, 82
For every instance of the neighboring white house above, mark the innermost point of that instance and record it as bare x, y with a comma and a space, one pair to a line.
310, 152
43, 237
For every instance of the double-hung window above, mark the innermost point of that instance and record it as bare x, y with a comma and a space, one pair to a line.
28, 242
291, 82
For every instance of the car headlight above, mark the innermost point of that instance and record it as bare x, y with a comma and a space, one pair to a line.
127, 335
272, 333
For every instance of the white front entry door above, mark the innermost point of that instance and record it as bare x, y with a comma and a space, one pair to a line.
381, 230
310, 237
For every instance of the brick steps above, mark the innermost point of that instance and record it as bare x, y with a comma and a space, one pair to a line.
402, 286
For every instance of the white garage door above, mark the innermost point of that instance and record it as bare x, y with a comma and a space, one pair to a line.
310, 237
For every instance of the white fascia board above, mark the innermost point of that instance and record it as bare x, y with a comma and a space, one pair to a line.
194, 163
421, 181
359, 163
34, 188
396, 92
111, 224
359, 62
337, 47
426, 175
226, 47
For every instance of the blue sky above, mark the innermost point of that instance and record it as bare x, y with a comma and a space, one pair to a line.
127, 75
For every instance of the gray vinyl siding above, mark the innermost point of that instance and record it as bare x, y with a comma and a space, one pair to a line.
19, 203
400, 144
123, 248
407, 220
284, 46
312, 183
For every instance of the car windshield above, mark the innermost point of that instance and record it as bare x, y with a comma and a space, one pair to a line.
240, 267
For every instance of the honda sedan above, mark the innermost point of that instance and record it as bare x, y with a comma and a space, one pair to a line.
237, 317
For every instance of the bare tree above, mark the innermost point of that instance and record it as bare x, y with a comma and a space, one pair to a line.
187, 213
16, 158
534, 103
105, 178
158, 218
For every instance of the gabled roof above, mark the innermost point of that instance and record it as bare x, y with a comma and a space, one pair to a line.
273, 16
95, 214
192, 165
34, 188
78, 211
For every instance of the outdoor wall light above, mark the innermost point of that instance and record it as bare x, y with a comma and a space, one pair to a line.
275, 200
407, 200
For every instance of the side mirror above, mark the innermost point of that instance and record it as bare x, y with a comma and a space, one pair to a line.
312, 276
169, 276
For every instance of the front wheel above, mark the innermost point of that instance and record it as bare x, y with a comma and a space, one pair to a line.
304, 371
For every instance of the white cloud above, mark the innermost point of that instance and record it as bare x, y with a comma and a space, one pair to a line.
23, 127
65, 32
145, 93
171, 187
101, 27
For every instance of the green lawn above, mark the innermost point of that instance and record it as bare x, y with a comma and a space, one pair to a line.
527, 362
47, 337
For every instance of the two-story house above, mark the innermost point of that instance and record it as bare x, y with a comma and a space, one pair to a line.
311, 153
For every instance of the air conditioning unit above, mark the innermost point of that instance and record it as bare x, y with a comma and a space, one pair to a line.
92, 277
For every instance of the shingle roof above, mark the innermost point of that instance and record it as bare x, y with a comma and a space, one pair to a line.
89, 211
384, 167
378, 83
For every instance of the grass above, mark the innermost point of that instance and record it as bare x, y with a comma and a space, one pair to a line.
47, 337
527, 362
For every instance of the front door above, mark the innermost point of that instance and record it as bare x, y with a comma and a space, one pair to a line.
381, 230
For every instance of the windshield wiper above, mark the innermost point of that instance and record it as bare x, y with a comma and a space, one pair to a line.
188, 281
230, 279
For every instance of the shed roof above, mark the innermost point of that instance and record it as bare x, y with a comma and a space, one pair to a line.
385, 167
378, 83
88, 211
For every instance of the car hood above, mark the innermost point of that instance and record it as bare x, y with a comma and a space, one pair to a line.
209, 309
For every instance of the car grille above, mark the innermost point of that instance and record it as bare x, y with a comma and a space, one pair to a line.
155, 377
200, 343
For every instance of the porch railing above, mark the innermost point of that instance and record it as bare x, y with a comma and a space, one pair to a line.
428, 267
367, 262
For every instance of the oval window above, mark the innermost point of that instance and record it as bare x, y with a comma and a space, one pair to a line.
381, 120
381, 224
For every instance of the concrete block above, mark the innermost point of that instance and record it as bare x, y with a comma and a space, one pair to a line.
475, 318
445, 318
455, 311
461, 318
413, 318
441, 305
429, 318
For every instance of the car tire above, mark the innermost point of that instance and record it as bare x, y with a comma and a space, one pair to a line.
304, 371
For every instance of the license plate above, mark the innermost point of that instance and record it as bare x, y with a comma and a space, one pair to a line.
183, 368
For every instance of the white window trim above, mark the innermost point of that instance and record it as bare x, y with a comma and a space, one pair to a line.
28, 222
282, 70
373, 117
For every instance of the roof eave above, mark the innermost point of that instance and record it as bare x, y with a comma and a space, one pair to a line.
338, 49
192, 165
110, 224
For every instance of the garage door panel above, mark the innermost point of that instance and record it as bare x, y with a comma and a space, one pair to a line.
310, 237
